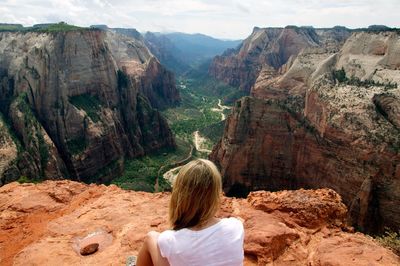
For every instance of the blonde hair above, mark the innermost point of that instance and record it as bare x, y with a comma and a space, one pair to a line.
195, 195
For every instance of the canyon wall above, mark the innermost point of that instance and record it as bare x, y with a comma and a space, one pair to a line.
74, 104
326, 118
271, 48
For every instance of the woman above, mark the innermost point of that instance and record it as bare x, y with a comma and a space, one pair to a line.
197, 236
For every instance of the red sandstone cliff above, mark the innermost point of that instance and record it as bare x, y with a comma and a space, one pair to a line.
271, 48
45, 224
75, 103
304, 128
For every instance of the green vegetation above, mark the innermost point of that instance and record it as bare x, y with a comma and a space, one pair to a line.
43, 151
341, 77
48, 28
59, 27
11, 132
103, 175
88, 103
391, 239
23, 179
194, 113
200, 94
213, 131
141, 174
34, 141
77, 146
122, 79
10, 27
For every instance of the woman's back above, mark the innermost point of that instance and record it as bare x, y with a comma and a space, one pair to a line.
218, 244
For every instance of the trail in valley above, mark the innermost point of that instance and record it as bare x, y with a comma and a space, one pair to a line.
170, 175
198, 141
221, 109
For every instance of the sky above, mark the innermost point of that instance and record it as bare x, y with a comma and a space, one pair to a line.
224, 19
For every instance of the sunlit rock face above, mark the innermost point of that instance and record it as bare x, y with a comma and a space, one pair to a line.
77, 102
325, 119
48, 222
271, 48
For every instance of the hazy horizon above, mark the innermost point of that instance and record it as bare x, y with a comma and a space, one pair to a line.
220, 19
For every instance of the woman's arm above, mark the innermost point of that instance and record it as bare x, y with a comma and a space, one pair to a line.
150, 253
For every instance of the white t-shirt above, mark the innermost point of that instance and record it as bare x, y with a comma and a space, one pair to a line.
219, 244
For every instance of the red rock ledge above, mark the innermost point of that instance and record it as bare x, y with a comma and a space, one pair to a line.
44, 224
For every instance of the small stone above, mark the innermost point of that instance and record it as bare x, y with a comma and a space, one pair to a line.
89, 249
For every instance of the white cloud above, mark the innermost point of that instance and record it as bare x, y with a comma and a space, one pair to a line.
220, 18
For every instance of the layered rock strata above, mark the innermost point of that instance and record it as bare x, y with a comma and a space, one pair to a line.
325, 119
77, 103
271, 48
47, 222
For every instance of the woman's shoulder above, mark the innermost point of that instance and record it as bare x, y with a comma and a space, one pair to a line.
232, 221
166, 235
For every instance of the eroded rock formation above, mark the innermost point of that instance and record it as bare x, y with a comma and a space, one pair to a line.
326, 118
271, 48
77, 102
46, 222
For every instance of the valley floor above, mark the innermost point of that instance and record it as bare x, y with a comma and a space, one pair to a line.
197, 124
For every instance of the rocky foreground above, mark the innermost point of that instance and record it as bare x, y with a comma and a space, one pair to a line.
49, 223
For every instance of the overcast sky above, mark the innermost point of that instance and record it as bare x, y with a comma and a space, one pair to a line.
219, 18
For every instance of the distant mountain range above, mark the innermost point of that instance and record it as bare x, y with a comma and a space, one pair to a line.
181, 51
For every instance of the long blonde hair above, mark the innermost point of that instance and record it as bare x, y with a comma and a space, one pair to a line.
195, 195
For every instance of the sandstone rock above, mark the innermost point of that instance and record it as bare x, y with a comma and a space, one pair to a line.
302, 129
89, 249
8, 151
81, 101
276, 231
271, 47
389, 106
309, 209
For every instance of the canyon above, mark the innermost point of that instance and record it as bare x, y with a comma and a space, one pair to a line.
322, 112
309, 156
76, 103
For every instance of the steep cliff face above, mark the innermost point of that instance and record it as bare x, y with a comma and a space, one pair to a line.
48, 223
329, 119
271, 48
152, 79
77, 102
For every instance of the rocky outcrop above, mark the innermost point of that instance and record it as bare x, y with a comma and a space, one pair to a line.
271, 48
389, 106
135, 59
326, 119
8, 149
78, 102
49, 222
